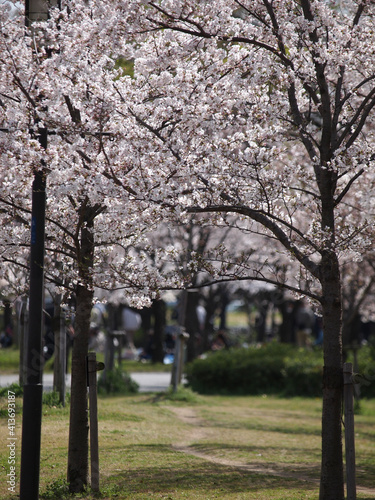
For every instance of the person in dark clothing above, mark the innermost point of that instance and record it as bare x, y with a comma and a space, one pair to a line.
6, 338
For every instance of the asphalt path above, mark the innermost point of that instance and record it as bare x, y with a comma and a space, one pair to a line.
148, 382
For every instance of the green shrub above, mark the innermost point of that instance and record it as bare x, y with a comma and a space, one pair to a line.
52, 399
182, 394
116, 382
59, 489
365, 369
273, 368
15, 388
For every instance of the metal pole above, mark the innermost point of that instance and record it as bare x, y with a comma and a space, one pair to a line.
35, 10
33, 388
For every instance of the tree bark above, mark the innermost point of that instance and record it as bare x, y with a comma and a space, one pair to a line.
223, 310
332, 475
192, 325
261, 321
159, 312
78, 428
211, 304
351, 330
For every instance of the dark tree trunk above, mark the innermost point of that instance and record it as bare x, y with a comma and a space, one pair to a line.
208, 330
261, 321
351, 331
192, 325
153, 325
223, 310
78, 428
332, 476
159, 312
146, 319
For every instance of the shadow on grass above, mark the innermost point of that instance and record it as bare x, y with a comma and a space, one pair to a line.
159, 469
365, 474
203, 478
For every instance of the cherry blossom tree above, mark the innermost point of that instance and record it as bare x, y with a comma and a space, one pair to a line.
260, 109
265, 109
51, 83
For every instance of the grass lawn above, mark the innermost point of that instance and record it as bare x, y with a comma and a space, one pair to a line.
9, 360
201, 448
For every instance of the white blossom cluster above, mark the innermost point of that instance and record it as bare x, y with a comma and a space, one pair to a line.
259, 114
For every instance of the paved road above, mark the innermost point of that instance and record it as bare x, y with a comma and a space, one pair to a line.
148, 382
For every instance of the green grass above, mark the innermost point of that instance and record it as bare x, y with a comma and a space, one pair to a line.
9, 360
235, 319
185, 446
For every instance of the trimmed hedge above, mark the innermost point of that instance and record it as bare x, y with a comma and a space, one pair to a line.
272, 368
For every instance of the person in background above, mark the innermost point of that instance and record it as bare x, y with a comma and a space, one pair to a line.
6, 337
221, 341
304, 320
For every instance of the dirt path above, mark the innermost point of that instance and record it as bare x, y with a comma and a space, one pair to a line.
199, 429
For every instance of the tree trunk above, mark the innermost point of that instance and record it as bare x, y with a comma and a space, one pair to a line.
261, 321
223, 310
351, 331
332, 476
78, 428
208, 330
159, 311
192, 325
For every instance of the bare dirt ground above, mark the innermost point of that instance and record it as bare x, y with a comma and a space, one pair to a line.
199, 430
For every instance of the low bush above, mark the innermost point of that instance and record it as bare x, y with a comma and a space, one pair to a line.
53, 400
272, 368
16, 389
182, 394
366, 370
116, 381
57, 489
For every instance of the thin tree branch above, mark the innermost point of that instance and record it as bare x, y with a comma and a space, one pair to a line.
271, 225
348, 186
